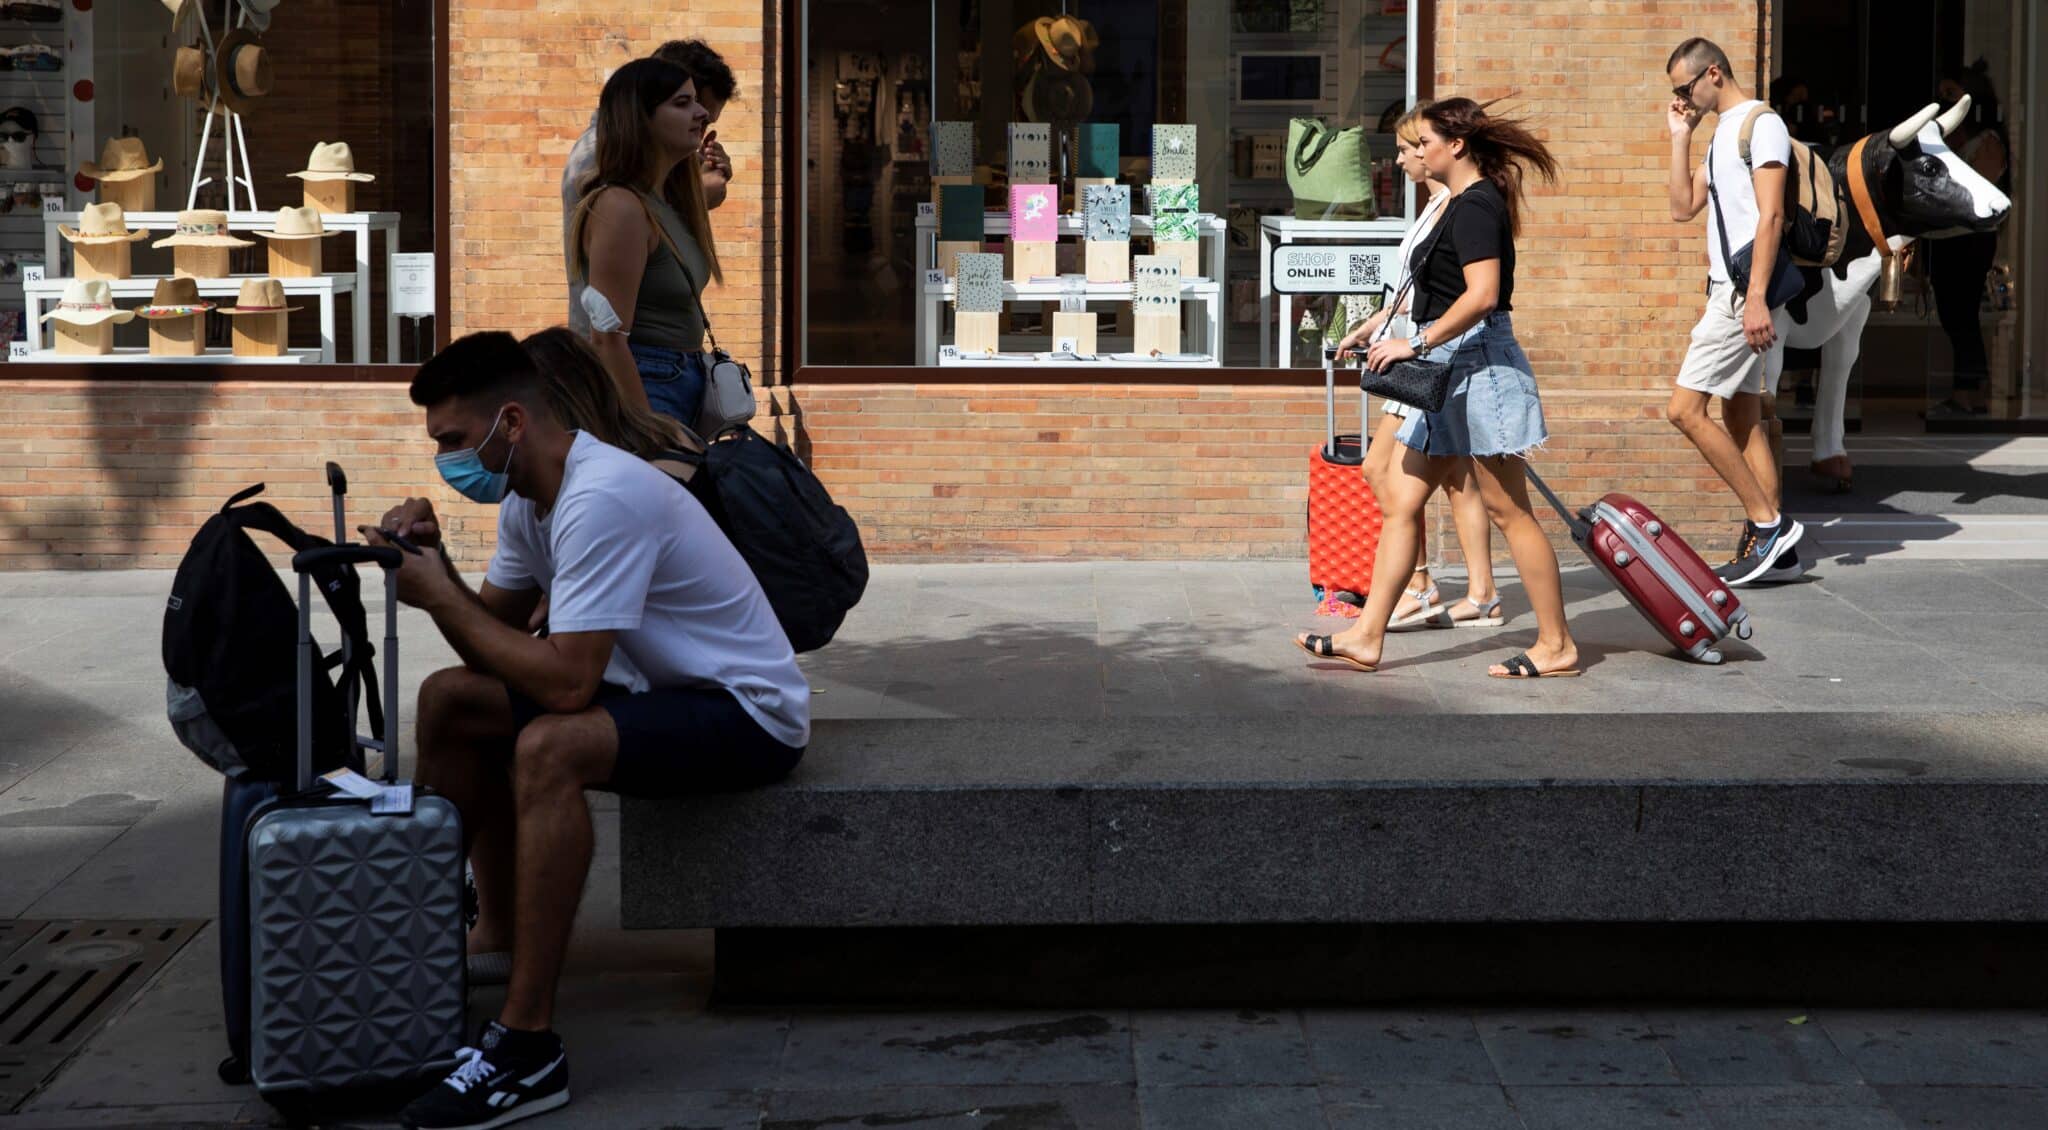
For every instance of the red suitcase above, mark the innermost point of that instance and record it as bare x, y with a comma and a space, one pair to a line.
1343, 515
1657, 571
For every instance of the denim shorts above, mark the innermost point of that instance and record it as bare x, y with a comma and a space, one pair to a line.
674, 379
1492, 408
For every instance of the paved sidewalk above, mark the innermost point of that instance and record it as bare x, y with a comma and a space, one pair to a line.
103, 814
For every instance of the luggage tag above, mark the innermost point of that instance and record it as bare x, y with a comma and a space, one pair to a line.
352, 783
393, 800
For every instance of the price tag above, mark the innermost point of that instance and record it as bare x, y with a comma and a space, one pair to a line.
926, 208
52, 205
935, 278
949, 353
17, 350
31, 272
1067, 345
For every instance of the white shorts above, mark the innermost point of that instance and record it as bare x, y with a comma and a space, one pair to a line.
1719, 362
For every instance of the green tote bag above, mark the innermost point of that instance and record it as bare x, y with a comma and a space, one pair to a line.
1329, 171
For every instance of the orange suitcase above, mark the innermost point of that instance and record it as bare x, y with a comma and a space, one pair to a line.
1343, 515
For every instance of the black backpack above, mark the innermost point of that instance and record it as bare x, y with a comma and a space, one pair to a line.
804, 548
230, 639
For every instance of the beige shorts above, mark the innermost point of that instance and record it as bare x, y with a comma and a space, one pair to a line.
1719, 362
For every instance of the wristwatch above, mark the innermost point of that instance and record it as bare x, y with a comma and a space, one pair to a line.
1419, 343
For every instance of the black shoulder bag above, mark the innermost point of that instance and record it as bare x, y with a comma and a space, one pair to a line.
1414, 382
1786, 282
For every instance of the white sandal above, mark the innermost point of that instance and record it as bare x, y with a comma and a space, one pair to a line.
1432, 604
1489, 615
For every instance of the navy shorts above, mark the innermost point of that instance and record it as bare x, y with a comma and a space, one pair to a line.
680, 741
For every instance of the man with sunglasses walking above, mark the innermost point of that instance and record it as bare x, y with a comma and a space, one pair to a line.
1736, 352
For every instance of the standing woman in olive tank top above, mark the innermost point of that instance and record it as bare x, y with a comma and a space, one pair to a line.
643, 237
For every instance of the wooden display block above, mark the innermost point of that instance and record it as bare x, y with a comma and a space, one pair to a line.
1189, 251
976, 332
138, 195
1109, 261
85, 341
331, 197
950, 251
1033, 259
177, 337
104, 260
1157, 333
1078, 327
294, 258
200, 262
939, 184
259, 335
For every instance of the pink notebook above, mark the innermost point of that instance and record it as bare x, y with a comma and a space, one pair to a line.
1034, 213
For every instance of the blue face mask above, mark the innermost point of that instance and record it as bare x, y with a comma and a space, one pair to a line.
465, 471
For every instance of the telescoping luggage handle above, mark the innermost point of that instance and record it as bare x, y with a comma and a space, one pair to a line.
1580, 527
1330, 408
303, 563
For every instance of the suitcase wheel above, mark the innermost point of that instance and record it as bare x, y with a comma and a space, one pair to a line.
233, 1071
1710, 656
1743, 630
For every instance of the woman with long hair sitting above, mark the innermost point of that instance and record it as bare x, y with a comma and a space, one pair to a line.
1491, 419
642, 238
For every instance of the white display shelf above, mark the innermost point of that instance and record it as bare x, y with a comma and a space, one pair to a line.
1202, 317
137, 355
44, 294
359, 224
1276, 337
1101, 361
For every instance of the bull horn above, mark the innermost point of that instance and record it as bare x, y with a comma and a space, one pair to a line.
1954, 116
1904, 133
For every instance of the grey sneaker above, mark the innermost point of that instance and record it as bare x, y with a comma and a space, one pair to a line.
1760, 550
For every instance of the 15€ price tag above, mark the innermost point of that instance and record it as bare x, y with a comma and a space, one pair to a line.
16, 350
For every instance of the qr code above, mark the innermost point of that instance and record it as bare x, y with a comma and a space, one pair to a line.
1365, 272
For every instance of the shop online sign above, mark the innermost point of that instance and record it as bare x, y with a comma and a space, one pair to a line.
1322, 268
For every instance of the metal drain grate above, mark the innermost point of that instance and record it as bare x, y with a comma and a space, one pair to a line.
62, 980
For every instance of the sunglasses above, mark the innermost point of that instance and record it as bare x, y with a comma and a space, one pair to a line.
1685, 92
15, 135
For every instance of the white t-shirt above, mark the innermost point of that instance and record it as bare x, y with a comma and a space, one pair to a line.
628, 550
1768, 144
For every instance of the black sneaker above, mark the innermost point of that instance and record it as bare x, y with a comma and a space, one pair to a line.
1760, 550
512, 1075
1788, 568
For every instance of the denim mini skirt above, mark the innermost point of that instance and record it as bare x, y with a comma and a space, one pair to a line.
674, 380
1492, 408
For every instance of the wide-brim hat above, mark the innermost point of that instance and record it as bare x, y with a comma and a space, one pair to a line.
332, 161
259, 13
122, 159
101, 223
296, 223
241, 69
174, 298
1065, 39
188, 72
88, 302
203, 228
179, 10
260, 296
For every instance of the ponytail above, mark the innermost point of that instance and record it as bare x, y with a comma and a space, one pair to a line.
1502, 148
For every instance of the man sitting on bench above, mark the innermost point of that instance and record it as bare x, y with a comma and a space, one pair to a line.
664, 672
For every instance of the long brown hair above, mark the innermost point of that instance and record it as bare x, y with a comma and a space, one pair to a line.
1499, 146
584, 398
626, 154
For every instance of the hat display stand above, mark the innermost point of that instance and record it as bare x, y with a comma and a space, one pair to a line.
259, 335
111, 261
178, 337
84, 341
295, 258
331, 197
200, 262
138, 195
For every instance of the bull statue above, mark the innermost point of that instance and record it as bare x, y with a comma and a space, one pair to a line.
1918, 189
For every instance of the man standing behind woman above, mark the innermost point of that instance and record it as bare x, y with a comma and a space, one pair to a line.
1464, 290
639, 237
1422, 605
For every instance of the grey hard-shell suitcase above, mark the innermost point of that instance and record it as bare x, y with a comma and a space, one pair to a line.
356, 934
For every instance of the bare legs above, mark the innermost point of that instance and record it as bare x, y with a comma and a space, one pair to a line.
1505, 488
1728, 449
1468, 514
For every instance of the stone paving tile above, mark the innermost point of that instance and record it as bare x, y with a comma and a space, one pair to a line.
1730, 1047
1797, 1108
613, 1109
1219, 1047
1545, 1048
1111, 1107
1607, 1108
1419, 1106
1377, 1047
1948, 1048
175, 1116
1231, 1108
883, 1049
1969, 1108
38, 859
650, 1032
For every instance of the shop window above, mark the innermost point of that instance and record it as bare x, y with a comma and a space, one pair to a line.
147, 150
925, 121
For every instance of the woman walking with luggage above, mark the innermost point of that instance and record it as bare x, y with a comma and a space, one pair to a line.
1422, 605
643, 238
1491, 418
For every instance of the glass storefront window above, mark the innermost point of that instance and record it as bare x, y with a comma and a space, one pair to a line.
892, 87
146, 150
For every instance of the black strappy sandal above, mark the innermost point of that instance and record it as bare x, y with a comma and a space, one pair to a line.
1322, 647
1519, 666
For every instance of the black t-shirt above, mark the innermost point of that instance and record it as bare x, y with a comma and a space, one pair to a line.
1478, 231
